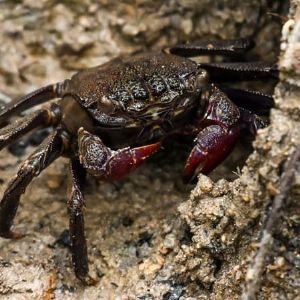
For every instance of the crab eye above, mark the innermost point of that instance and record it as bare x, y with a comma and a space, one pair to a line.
191, 83
106, 105
202, 78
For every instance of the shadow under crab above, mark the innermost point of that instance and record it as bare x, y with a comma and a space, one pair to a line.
112, 117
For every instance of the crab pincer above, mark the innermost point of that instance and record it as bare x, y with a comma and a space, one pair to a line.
106, 163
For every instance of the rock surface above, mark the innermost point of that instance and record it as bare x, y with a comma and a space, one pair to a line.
140, 245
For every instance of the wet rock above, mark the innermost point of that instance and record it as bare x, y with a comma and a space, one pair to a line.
226, 224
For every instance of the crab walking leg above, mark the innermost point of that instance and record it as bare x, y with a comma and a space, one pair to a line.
106, 163
240, 71
254, 101
251, 121
47, 152
34, 98
76, 223
20, 127
220, 130
217, 47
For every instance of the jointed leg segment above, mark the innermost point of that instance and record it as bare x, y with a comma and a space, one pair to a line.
216, 47
227, 71
77, 234
240, 71
44, 117
47, 152
37, 97
254, 101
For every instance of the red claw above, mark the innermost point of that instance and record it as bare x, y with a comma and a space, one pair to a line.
141, 153
213, 144
127, 159
110, 164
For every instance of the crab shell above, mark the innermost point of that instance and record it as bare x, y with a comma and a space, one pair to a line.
135, 99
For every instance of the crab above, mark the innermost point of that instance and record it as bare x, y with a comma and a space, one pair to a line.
111, 118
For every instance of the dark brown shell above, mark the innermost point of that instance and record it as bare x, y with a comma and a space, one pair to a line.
125, 91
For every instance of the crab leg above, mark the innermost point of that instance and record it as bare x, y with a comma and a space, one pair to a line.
15, 130
254, 101
240, 71
106, 163
37, 97
217, 47
220, 130
76, 223
47, 152
251, 121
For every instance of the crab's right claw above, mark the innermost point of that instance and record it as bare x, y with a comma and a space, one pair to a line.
212, 145
110, 164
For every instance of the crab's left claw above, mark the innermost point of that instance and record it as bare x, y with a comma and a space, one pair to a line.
212, 145
109, 164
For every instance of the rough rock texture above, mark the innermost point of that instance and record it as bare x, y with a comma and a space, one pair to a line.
224, 216
140, 246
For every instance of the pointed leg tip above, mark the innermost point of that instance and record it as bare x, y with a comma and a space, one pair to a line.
87, 280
